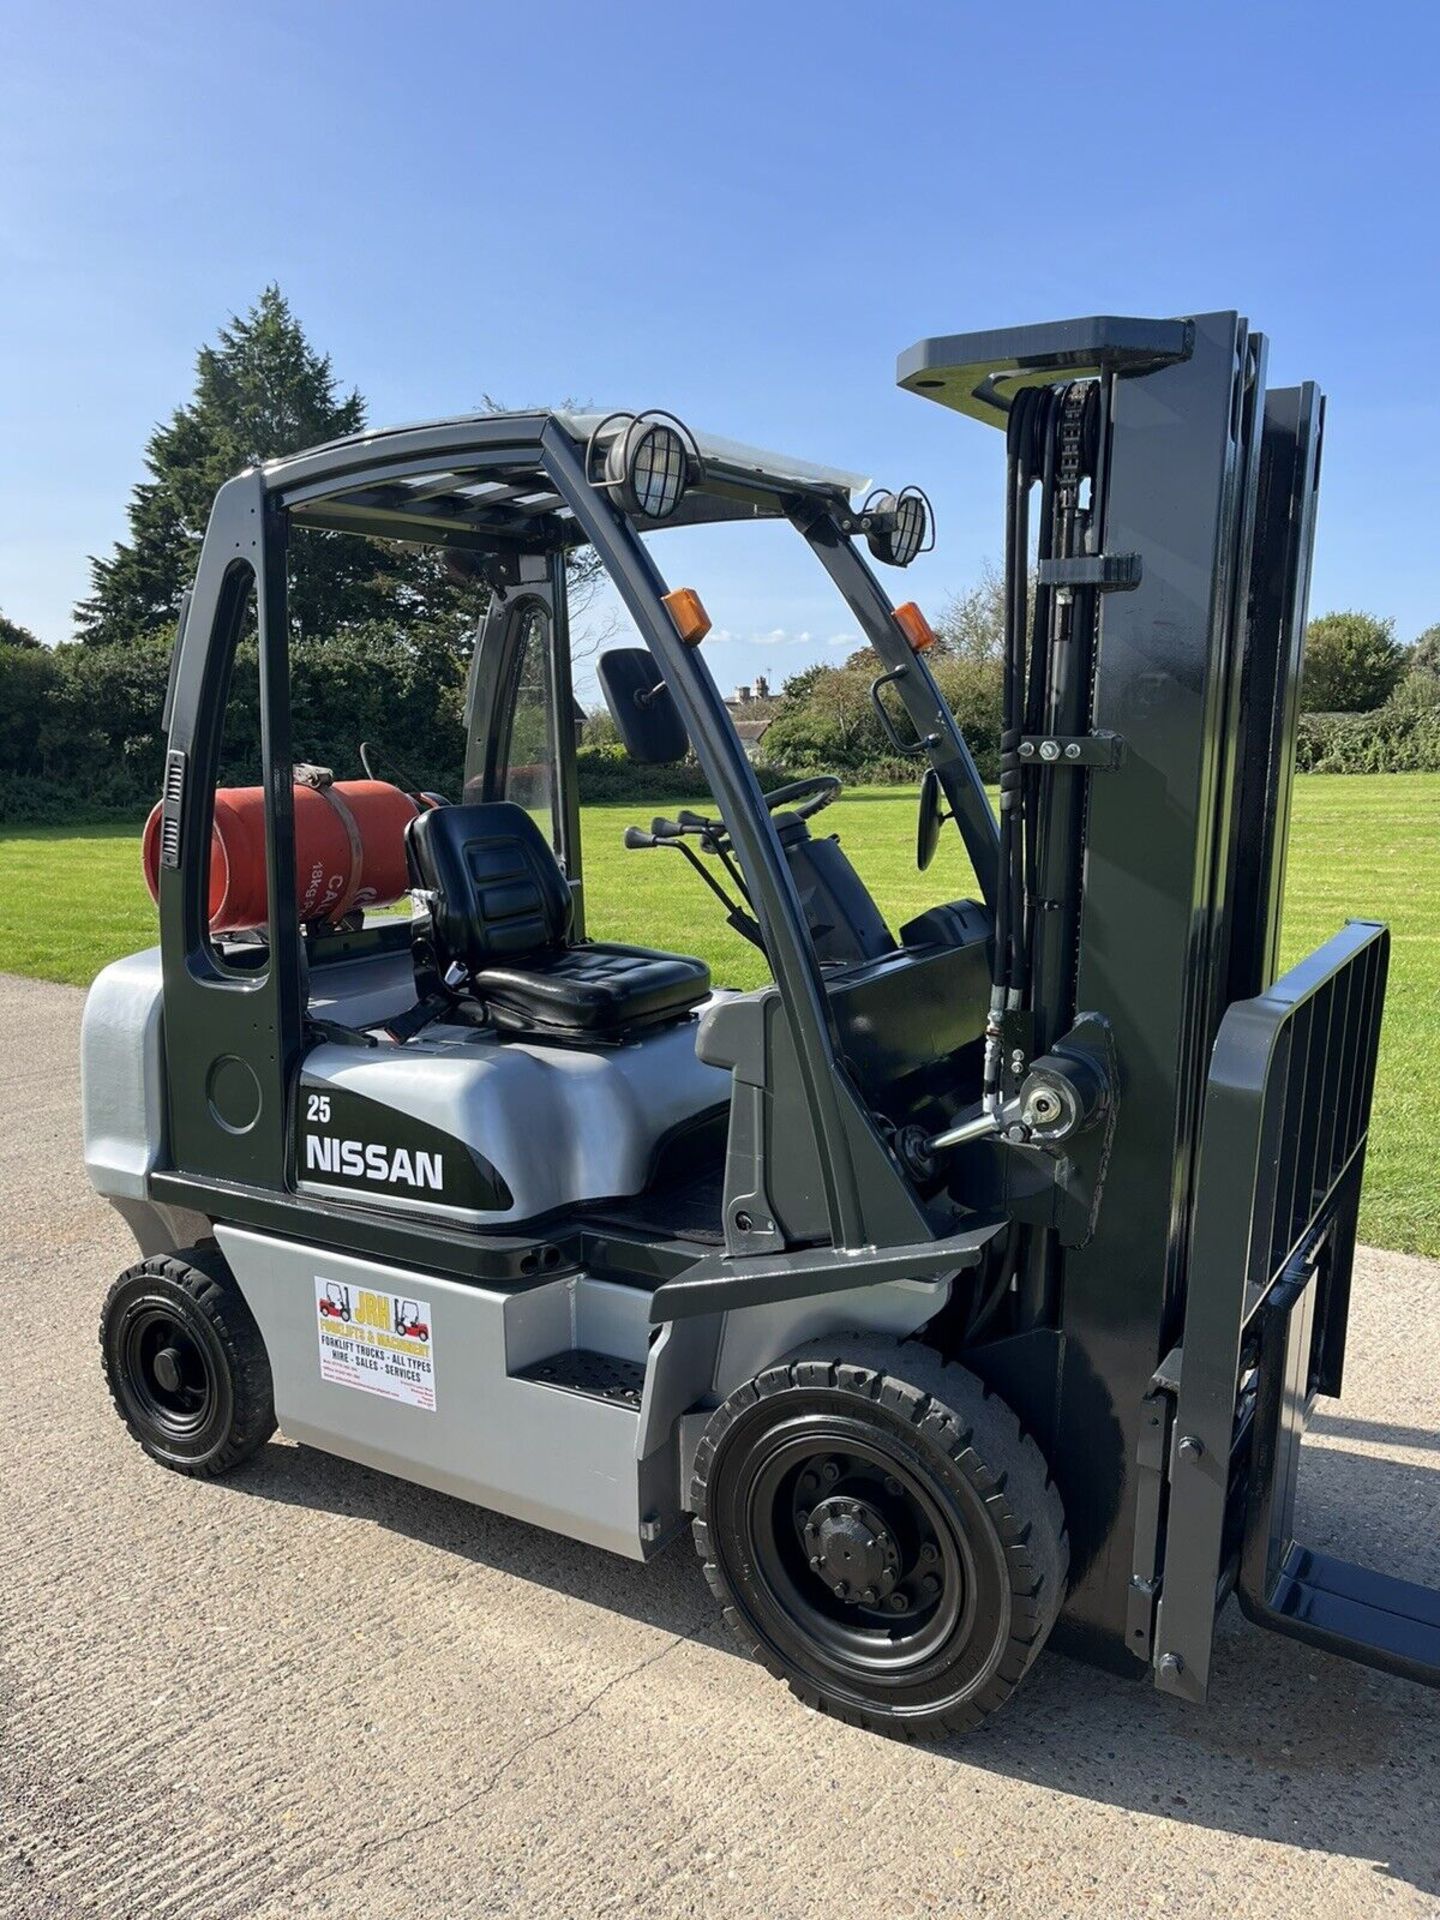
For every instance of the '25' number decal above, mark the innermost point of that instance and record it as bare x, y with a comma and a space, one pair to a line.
318, 1108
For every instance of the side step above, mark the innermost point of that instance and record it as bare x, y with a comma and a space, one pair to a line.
598, 1376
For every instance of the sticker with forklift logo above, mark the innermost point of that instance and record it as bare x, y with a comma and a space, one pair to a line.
376, 1342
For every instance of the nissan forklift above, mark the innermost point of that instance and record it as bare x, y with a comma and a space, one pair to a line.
970, 1279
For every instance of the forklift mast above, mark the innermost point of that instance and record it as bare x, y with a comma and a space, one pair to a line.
1154, 634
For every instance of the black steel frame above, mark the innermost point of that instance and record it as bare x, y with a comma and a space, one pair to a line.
513, 487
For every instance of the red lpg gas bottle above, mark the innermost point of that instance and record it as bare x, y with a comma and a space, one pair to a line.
349, 852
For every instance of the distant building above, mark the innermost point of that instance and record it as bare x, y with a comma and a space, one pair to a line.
752, 710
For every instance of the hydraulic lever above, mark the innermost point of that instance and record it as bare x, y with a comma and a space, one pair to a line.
671, 833
713, 839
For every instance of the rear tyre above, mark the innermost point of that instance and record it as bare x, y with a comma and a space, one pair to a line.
881, 1535
185, 1363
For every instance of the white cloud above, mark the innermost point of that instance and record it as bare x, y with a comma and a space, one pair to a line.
780, 637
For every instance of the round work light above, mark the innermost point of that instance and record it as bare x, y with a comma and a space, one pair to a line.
902, 526
649, 466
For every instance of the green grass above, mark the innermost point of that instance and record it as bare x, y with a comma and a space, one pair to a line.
1369, 848
72, 898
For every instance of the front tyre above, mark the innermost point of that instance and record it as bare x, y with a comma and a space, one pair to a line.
185, 1363
881, 1535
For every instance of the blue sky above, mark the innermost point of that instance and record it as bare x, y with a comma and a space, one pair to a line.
742, 212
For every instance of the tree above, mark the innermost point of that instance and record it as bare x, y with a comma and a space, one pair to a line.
826, 717
1425, 654
971, 626
1352, 663
12, 634
261, 391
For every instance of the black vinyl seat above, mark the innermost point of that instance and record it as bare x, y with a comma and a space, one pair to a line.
501, 913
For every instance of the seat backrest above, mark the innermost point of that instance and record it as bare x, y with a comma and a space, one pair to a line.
500, 896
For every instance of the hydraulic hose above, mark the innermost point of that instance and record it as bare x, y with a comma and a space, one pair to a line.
1053, 436
1029, 410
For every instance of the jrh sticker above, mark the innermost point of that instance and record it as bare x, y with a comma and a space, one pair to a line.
376, 1342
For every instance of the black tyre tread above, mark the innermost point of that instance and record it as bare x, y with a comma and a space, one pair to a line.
202, 1274
958, 1412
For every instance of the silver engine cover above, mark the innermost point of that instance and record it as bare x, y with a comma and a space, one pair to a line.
552, 1126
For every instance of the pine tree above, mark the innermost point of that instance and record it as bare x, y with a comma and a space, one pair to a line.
261, 391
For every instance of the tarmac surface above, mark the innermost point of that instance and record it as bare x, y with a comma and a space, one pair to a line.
309, 1689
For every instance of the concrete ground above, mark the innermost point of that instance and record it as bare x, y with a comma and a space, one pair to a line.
312, 1690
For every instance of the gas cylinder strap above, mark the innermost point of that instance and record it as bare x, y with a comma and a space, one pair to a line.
357, 853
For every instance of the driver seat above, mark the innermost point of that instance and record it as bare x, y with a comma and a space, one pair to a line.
501, 913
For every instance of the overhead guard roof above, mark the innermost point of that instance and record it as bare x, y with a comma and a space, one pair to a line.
476, 480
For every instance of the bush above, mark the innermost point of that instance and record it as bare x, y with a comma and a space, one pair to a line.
406, 695
827, 721
1418, 692
1400, 738
607, 773
1353, 663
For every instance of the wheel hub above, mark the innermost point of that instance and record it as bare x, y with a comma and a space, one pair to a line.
852, 1550
169, 1369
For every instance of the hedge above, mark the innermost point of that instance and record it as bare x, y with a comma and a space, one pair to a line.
1393, 739
607, 773
80, 729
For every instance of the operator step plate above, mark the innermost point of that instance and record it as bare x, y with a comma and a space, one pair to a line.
599, 1376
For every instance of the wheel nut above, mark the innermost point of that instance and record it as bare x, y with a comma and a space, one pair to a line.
929, 1552
830, 1473
899, 1603
808, 1483
869, 1596
892, 1485
817, 1560
930, 1586
842, 1590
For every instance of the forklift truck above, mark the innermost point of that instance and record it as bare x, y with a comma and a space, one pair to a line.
970, 1279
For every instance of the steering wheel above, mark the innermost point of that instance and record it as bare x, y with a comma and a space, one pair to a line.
805, 797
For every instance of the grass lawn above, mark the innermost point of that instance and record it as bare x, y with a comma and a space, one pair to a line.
72, 898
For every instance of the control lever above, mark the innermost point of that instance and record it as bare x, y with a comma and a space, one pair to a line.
713, 839
669, 833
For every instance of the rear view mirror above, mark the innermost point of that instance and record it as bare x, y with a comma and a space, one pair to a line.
932, 818
642, 707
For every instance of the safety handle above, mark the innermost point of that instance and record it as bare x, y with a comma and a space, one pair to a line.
909, 749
